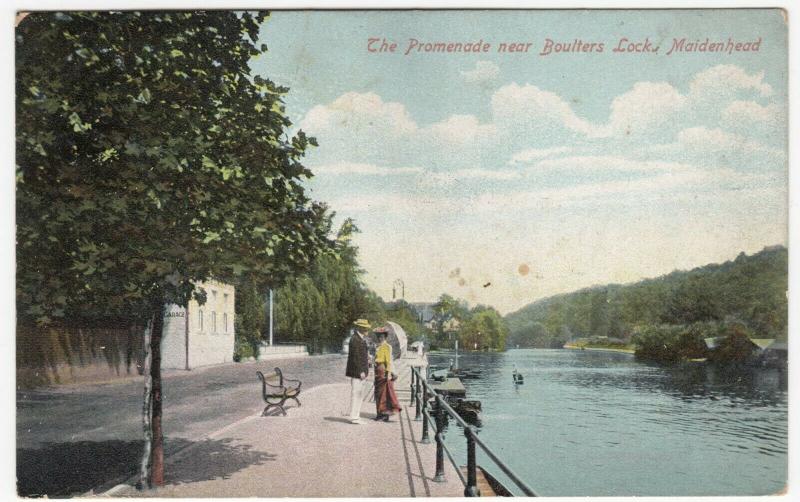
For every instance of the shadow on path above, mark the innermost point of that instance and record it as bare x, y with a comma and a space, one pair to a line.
73, 468
61, 470
220, 459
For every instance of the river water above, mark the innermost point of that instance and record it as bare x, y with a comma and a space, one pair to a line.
590, 423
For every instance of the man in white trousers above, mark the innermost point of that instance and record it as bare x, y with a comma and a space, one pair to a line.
357, 368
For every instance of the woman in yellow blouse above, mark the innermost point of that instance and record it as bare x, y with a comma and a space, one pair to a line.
386, 402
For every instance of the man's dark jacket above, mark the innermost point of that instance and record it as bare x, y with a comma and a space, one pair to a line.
357, 358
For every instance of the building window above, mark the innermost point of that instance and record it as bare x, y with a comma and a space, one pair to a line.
213, 322
200, 318
225, 321
214, 296
225, 299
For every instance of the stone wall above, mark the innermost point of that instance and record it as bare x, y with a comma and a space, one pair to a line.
54, 356
92, 355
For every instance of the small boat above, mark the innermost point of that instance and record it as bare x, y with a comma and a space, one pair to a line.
464, 373
518, 378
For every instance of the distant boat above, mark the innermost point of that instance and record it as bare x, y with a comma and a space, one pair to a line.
518, 378
464, 373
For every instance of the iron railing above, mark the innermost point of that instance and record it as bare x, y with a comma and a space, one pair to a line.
421, 393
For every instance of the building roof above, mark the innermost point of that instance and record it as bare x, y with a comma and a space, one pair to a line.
778, 346
763, 343
425, 310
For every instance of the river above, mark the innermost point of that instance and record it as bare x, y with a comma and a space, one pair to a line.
589, 423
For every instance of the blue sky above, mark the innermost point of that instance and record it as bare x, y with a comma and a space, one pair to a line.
581, 168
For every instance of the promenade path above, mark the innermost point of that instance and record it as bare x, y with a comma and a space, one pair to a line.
312, 452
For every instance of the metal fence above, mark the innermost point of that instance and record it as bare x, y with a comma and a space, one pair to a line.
421, 393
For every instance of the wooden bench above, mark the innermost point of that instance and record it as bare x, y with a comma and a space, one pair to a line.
277, 393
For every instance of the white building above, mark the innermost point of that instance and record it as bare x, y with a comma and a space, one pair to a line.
203, 336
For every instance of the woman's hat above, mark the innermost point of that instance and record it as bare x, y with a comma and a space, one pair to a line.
362, 323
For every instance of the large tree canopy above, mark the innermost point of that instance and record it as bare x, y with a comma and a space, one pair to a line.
149, 158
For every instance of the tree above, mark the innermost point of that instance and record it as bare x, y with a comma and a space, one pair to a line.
598, 317
692, 301
149, 159
250, 319
407, 317
736, 347
485, 329
318, 308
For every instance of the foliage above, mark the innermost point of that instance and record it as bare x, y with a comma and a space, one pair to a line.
407, 317
656, 343
484, 329
318, 308
751, 289
250, 319
736, 347
150, 159
445, 309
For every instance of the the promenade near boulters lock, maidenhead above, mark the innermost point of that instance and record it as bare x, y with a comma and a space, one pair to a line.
82, 440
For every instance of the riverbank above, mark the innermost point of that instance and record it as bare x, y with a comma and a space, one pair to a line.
601, 349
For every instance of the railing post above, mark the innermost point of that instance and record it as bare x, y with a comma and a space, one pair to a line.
413, 378
439, 414
418, 415
471, 490
425, 416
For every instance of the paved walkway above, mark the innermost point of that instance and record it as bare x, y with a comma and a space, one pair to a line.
312, 452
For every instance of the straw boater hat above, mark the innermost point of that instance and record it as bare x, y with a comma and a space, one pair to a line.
362, 323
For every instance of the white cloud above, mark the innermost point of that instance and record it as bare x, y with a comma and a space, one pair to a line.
751, 118
609, 191
460, 129
647, 106
726, 81
527, 107
361, 113
532, 154
357, 168
702, 139
605, 163
750, 111
449, 177
390, 203
484, 71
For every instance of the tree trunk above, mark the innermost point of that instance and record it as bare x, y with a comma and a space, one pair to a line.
157, 468
147, 410
152, 468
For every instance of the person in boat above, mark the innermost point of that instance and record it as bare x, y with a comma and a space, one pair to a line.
386, 402
518, 378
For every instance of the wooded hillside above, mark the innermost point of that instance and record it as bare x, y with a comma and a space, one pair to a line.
750, 291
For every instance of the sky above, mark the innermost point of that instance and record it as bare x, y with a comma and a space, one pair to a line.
506, 177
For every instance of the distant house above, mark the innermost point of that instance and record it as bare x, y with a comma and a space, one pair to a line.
451, 325
775, 355
200, 334
426, 313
